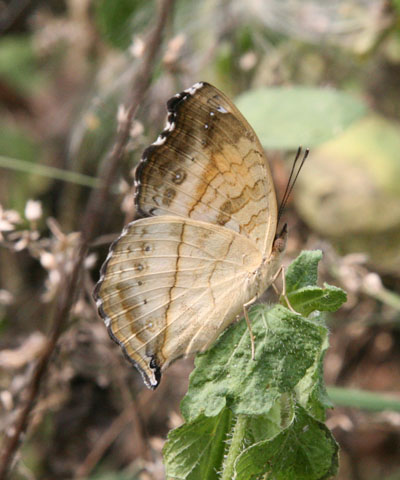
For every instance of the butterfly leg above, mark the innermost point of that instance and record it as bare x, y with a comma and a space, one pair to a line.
246, 316
283, 293
276, 289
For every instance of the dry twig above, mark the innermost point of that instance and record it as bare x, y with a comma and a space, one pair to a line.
105, 440
91, 221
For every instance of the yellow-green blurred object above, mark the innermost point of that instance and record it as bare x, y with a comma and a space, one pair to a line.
16, 187
349, 191
286, 117
19, 66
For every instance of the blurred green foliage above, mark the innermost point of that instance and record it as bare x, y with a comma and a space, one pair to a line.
285, 118
19, 65
16, 142
117, 20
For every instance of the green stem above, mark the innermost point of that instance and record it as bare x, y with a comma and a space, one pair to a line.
349, 397
239, 431
46, 171
387, 297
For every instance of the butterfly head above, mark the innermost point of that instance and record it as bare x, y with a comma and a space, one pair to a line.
280, 240
270, 265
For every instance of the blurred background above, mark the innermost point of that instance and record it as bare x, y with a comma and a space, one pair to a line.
323, 74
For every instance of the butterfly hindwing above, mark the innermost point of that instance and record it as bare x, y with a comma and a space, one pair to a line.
170, 286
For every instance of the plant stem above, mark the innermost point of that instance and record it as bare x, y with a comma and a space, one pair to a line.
239, 431
47, 171
361, 399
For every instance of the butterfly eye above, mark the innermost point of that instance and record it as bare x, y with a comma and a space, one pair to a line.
147, 248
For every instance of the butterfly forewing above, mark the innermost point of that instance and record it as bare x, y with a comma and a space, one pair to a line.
170, 286
209, 165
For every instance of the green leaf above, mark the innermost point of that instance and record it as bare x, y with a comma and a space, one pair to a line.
195, 450
311, 391
309, 299
305, 450
302, 290
262, 427
285, 118
287, 345
303, 271
199, 449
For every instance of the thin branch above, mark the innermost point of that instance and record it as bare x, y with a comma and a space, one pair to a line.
141, 82
91, 220
102, 444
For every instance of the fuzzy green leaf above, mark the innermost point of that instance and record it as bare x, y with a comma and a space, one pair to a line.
309, 299
305, 450
303, 271
311, 392
196, 449
302, 448
302, 290
287, 345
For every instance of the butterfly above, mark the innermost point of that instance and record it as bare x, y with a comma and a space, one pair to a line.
207, 243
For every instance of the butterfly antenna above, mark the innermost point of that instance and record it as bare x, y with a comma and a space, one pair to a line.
285, 195
292, 179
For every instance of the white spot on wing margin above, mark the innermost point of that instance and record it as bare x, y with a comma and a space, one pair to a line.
193, 89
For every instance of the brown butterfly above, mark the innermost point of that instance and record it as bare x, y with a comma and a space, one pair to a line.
208, 245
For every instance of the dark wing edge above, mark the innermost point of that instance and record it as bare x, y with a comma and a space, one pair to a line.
172, 108
173, 105
99, 303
